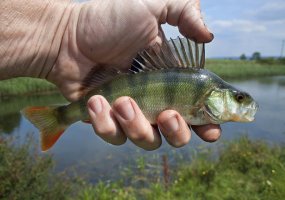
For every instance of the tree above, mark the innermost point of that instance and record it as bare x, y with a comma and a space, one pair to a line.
256, 56
243, 57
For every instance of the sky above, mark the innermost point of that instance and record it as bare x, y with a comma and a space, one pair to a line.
242, 26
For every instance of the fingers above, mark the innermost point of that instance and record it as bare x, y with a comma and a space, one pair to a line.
174, 128
186, 14
134, 124
103, 121
209, 132
126, 120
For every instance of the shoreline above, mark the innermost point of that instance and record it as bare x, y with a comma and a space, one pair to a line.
226, 69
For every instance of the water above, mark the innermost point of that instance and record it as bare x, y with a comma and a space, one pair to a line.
81, 149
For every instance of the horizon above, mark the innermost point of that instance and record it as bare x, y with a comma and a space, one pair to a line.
242, 27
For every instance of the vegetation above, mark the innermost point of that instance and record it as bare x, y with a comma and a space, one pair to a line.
243, 170
10, 116
243, 57
224, 68
256, 56
18, 86
26, 175
238, 69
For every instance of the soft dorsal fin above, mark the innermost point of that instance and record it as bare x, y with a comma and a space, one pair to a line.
180, 52
96, 77
175, 53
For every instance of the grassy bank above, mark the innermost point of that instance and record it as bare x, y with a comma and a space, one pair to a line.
244, 170
25, 175
10, 117
27, 86
225, 68
238, 69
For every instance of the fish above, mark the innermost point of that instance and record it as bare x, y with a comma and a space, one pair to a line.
171, 75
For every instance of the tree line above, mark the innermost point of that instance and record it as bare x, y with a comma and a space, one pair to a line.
256, 56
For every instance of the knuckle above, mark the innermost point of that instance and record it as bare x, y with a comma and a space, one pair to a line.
106, 130
152, 147
139, 135
179, 139
120, 100
119, 141
138, 131
179, 144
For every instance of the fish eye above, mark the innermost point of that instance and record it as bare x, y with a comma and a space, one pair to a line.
239, 97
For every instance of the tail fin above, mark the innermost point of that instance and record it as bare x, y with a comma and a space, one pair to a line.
45, 118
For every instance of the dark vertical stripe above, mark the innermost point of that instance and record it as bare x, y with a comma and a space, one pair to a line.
139, 80
198, 87
83, 107
131, 81
144, 82
170, 87
107, 91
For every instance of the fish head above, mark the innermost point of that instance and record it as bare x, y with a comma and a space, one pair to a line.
223, 105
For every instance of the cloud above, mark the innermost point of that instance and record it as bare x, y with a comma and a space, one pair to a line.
248, 26
241, 26
238, 26
269, 11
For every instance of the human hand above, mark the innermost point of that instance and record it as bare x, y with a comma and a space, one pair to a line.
108, 33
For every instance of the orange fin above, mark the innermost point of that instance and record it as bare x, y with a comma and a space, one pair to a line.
49, 139
45, 119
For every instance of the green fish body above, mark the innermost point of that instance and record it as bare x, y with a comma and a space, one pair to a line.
183, 90
172, 78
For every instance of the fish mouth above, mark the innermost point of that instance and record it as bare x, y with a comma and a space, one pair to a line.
241, 115
249, 115
246, 114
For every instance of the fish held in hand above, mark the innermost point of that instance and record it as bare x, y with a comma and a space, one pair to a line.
169, 76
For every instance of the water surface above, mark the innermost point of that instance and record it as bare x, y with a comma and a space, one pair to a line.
79, 147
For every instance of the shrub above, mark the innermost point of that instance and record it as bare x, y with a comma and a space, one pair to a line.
24, 174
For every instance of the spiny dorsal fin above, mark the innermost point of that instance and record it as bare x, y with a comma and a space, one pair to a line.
177, 53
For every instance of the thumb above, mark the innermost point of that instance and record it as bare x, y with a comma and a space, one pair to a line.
186, 14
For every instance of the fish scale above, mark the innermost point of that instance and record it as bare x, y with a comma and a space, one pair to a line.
168, 77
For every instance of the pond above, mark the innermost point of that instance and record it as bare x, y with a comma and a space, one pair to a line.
81, 149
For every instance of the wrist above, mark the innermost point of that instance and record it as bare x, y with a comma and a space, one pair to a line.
32, 36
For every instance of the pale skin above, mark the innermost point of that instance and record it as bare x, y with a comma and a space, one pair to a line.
62, 41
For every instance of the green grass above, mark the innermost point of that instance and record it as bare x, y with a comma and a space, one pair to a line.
13, 105
25, 175
238, 69
10, 116
225, 68
244, 169
19, 86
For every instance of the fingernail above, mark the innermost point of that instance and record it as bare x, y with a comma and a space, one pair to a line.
96, 105
125, 110
170, 125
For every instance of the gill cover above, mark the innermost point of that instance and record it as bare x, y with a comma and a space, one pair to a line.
225, 105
